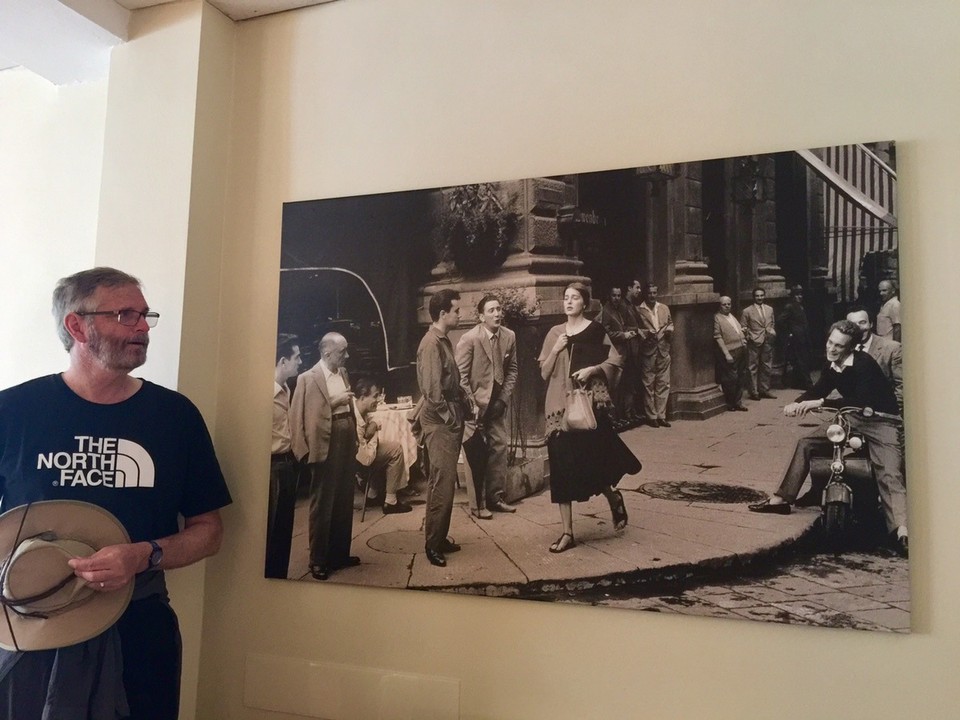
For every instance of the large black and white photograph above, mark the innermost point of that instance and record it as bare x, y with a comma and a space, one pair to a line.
675, 388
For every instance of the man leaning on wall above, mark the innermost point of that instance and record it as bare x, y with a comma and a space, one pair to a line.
100, 416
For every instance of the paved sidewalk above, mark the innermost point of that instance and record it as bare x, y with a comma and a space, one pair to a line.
669, 537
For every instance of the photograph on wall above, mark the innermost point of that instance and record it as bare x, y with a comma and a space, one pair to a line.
674, 388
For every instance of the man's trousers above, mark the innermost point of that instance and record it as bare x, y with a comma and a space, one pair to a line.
443, 451
655, 375
760, 363
733, 376
331, 496
280, 510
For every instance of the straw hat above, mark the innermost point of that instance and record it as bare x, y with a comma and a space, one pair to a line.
44, 605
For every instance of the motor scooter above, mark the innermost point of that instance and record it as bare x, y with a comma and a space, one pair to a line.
850, 502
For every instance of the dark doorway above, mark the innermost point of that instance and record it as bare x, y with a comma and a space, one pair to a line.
715, 245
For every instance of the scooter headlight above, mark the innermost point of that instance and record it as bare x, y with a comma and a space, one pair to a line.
836, 434
836, 467
855, 442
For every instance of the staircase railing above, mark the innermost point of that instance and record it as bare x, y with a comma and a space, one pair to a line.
860, 203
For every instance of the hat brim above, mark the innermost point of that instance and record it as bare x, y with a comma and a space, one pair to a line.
68, 519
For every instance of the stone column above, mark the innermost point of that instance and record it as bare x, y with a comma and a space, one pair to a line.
541, 262
686, 286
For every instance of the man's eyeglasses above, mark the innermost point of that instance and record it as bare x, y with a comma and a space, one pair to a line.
127, 316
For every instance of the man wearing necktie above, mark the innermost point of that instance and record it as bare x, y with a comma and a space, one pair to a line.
325, 437
487, 359
758, 325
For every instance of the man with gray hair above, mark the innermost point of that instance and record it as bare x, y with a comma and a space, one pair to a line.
97, 434
731, 355
324, 435
888, 319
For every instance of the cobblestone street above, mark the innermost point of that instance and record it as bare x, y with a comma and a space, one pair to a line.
860, 590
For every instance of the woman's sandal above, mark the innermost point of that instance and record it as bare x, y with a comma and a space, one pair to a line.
563, 544
618, 510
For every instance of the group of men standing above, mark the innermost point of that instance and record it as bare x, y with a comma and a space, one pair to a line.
744, 347
463, 392
744, 350
324, 428
641, 329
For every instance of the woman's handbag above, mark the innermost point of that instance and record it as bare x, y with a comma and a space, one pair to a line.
578, 413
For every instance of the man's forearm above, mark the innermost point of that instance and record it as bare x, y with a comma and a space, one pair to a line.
200, 538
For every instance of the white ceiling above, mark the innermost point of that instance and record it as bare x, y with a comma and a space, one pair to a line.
234, 9
69, 41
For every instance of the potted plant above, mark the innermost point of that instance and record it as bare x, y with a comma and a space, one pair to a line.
476, 229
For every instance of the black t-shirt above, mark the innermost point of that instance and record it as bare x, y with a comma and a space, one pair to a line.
146, 459
861, 384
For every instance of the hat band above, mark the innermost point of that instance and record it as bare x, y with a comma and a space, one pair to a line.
26, 606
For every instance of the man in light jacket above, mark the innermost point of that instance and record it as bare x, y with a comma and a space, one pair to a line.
758, 326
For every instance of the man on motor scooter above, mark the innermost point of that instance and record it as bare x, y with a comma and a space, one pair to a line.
861, 383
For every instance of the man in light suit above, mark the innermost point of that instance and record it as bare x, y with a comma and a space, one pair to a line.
758, 326
487, 359
731, 355
884, 350
655, 331
325, 437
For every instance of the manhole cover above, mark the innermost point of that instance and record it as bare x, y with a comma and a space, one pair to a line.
403, 542
701, 492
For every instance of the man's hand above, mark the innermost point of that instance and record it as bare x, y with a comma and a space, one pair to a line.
801, 408
341, 399
496, 409
729, 358
112, 567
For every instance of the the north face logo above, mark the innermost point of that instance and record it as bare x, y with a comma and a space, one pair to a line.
101, 462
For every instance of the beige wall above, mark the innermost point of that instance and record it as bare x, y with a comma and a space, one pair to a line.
51, 150
363, 97
161, 210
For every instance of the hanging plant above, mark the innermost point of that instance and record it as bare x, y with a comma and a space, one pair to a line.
476, 229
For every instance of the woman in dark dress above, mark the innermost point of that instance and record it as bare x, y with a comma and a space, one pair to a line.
590, 462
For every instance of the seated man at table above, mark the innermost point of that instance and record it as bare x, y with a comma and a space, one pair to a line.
375, 452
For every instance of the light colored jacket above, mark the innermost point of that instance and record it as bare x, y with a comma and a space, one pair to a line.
474, 355
725, 332
758, 330
889, 356
311, 417
650, 343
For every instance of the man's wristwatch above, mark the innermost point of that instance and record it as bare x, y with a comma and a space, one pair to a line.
156, 555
